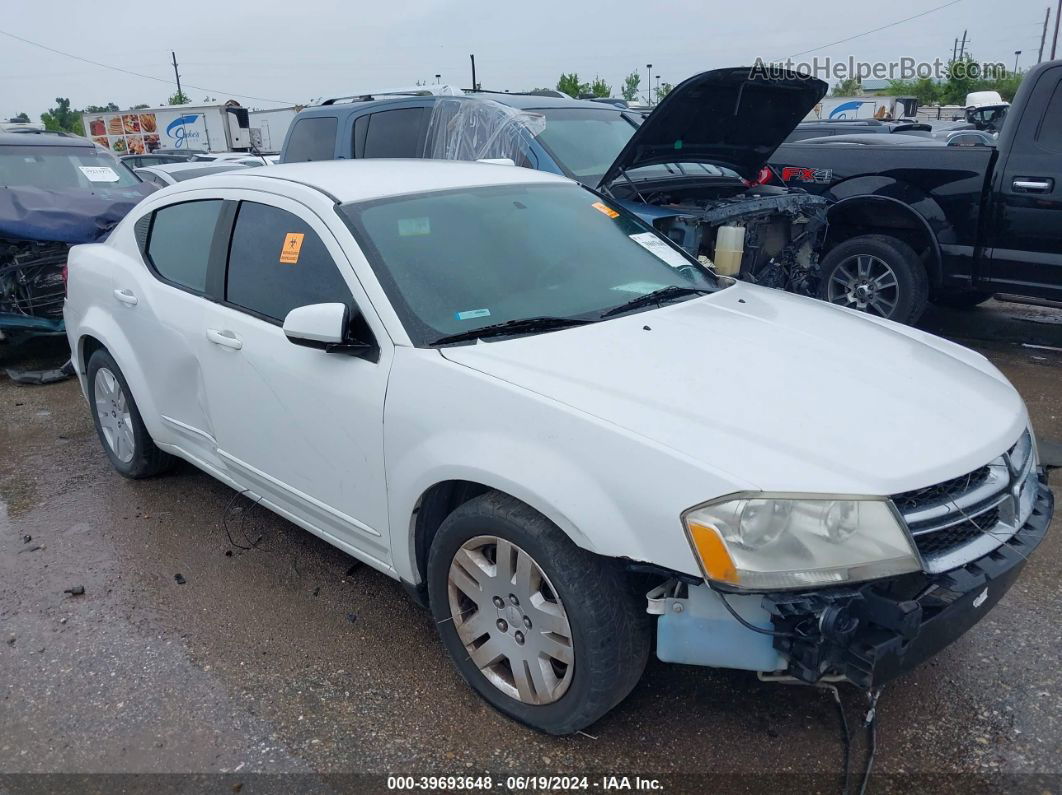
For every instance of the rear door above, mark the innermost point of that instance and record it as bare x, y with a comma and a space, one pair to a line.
1025, 228
298, 426
163, 310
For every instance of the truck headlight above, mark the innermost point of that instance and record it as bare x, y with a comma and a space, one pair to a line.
765, 542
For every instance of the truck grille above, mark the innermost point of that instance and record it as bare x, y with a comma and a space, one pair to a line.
967, 517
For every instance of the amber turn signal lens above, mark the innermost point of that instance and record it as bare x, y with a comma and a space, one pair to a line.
717, 563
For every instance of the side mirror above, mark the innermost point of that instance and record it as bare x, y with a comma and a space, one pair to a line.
326, 327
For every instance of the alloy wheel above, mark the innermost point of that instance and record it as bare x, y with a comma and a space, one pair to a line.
866, 283
510, 620
112, 409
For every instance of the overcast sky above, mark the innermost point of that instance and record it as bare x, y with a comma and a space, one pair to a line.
294, 51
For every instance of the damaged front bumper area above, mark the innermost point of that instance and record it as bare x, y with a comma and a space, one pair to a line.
31, 286
864, 634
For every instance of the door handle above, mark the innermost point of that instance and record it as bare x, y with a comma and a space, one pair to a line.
126, 297
1033, 184
225, 339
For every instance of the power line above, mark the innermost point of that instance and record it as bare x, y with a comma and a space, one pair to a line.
875, 30
137, 74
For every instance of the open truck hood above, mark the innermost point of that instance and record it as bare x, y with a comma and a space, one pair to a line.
734, 117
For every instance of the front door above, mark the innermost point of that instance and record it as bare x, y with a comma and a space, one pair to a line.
1025, 234
298, 426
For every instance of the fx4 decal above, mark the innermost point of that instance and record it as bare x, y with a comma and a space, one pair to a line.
822, 176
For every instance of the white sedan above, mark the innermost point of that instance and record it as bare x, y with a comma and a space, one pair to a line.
172, 173
556, 429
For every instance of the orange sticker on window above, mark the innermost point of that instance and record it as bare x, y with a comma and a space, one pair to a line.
289, 255
604, 208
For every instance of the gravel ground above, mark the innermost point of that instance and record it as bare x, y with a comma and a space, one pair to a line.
287, 658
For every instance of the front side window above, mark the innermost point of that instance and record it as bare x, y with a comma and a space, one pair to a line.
277, 262
179, 242
312, 139
395, 133
455, 261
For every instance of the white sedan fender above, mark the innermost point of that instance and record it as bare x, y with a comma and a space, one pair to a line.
473, 427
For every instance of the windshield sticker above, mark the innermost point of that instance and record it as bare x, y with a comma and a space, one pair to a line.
657, 247
640, 288
472, 314
413, 227
289, 255
604, 208
99, 173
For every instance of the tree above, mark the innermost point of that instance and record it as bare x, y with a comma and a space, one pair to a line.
925, 90
141, 106
180, 98
848, 88
569, 84
22, 118
663, 90
62, 118
631, 85
110, 107
599, 88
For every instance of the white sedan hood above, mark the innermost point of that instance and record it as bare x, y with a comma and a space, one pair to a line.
782, 392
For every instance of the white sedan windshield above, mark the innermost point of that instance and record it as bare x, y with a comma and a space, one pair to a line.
454, 261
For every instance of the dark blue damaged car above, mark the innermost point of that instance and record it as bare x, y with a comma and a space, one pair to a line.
56, 190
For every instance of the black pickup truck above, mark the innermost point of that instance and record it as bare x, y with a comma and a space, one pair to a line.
934, 222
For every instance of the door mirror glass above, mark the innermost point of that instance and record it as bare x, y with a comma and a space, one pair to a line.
317, 325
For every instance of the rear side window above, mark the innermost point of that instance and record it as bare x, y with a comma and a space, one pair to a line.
277, 262
1050, 133
179, 243
312, 139
395, 133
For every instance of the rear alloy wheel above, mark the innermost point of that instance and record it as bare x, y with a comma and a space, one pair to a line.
548, 633
112, 409
122, 433
876, 274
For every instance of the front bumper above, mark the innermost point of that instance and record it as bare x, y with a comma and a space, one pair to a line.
873, 633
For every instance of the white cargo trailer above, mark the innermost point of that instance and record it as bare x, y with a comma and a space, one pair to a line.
219, 127
268, 127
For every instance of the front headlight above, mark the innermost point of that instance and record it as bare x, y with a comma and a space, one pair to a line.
764, 542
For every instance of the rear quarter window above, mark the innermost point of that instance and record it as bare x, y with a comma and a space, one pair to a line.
312, 139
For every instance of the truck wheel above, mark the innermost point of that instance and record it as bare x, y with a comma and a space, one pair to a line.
546, 632
877, 274
122, 433
960, 299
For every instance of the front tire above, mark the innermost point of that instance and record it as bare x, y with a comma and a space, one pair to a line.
121, 429
876, 274
547, 633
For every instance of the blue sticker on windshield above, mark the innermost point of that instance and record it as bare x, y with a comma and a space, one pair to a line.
471, 314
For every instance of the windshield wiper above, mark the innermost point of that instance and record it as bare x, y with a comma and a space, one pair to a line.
656, 297
527, 325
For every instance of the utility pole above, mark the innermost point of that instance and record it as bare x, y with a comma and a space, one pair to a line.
1017, 55
474, 86
1054, 44
649, 81
1043, 36
658, 89
962, 47
177, 75
955, 50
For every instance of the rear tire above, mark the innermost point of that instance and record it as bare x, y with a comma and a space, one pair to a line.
579, 608
960, 299
121, 429
877, 274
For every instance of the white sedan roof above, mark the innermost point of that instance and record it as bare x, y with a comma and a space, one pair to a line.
360, 180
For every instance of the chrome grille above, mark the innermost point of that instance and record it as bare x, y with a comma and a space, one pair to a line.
966, 517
